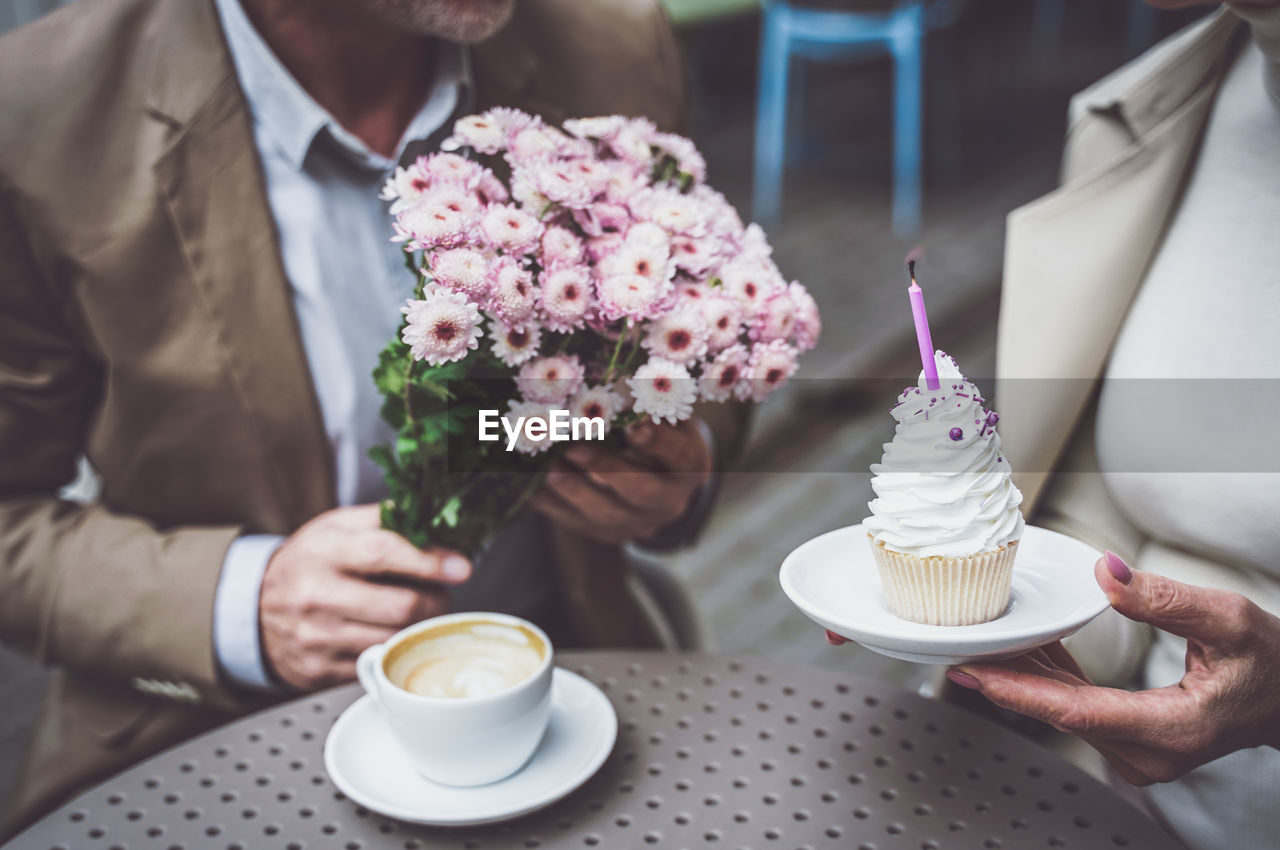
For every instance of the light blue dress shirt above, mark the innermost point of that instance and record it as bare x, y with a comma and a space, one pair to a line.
348, 283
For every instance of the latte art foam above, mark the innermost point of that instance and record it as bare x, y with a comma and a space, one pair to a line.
466, 660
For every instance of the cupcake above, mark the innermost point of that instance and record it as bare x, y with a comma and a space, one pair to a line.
945, 523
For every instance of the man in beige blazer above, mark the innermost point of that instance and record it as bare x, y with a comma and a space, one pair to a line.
146, 321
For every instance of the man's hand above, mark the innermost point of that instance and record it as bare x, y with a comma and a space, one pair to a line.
628, 495
340, 584
1228, 700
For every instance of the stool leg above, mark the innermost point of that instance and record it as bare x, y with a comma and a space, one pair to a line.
908, 63
771, 115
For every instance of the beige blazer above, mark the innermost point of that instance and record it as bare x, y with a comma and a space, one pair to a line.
145, 320
1074, 260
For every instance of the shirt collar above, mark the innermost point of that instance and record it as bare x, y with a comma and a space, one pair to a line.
293, 119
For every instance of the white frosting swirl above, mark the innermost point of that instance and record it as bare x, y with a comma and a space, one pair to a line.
943, 488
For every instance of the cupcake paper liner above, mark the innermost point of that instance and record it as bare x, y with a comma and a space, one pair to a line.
943, 591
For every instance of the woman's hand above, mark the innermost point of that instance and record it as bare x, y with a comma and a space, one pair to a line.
1228, 700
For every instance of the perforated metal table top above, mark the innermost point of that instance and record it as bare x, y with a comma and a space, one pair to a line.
712, 751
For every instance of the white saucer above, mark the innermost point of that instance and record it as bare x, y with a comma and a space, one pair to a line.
833, 579
363, 760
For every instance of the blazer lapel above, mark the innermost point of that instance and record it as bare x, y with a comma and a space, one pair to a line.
213, 187
1075, 258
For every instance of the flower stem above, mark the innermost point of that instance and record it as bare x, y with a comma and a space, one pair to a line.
617, 348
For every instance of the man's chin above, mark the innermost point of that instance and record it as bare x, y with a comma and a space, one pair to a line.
466, 21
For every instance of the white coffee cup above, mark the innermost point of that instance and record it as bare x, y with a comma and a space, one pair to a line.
462, 740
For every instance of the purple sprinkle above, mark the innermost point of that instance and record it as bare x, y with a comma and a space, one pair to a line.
956, 434
993, 418
962, 395
999, 460
918, 412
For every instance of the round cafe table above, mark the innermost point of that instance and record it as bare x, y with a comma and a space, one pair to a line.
713, 751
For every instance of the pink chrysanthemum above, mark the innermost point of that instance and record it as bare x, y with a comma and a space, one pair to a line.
560, 247
551, 380
750, 283
695, 257
442, 327
628, 296
449, 168
776, 318
664, 390
624, 180
535, 142
597, 403
489, 189
602, 217
517, 410
680, 336
687, 290
599, 247
724, 319
724, 376
569, 183
514, 345
808, 325
525, 191
648, 235
770, 366
565, 297
462, 270
511, 229
513, 297
443, 217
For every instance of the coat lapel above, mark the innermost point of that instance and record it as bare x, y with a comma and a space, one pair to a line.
214, 192
1075, 258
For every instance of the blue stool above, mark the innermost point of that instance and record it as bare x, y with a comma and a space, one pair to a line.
824, 33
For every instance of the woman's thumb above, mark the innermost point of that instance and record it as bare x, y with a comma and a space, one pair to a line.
1182, 609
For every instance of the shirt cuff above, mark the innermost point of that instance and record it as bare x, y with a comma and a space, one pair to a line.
237, 644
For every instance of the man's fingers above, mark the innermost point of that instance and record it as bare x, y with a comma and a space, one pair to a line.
598, 505
384, 605
358, 516
638, 488
677, 448
385, 553
1217, 617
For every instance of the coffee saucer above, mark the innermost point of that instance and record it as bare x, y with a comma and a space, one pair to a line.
364, 761
833, 579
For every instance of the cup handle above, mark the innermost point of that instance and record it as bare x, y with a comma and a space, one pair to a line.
366, 669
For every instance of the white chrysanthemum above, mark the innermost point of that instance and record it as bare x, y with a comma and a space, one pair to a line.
723, 377
529, 409
723, 317
776, 318
624, 180
597, 403
598, 127
552, 379
404, 188
808, 321
638, 258
649, 235
695, 257
628, 296
561, 247
570, 183
513, 297
511, 229
514, 345
664, 390
488, 132
537, 141
750, 283
679, 336
770, 366
671, 210
464, 270
565, 297
631, 142
525, 191
442, 327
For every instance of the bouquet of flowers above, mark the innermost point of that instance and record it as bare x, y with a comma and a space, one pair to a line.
588, 269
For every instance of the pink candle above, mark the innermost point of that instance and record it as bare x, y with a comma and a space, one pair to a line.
922, 331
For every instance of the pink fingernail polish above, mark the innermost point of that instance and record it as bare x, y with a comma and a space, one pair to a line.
963, 679
1119, 569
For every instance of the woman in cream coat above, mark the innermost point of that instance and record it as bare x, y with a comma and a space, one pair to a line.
1137, 368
